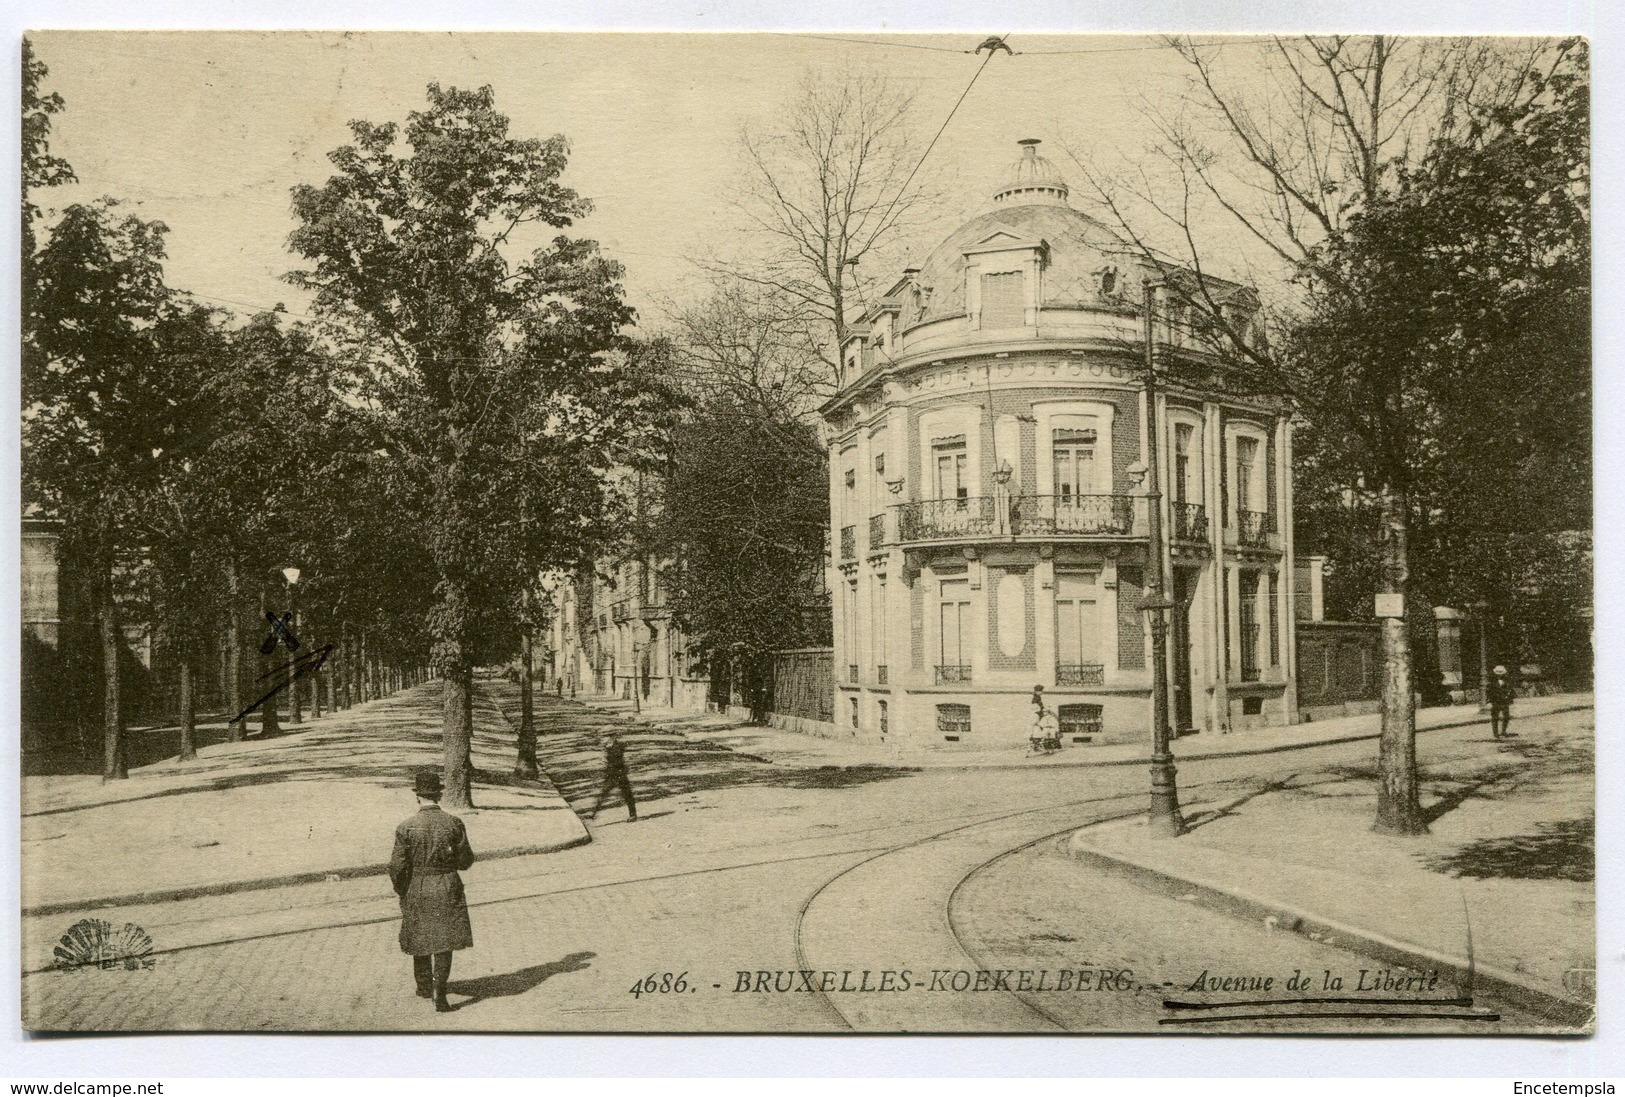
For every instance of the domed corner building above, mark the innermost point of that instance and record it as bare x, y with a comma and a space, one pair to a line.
988, 496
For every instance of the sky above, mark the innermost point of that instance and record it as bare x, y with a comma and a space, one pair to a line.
208, 131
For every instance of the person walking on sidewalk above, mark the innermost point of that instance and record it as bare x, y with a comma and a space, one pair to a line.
616, 777
1499, 693
430, 849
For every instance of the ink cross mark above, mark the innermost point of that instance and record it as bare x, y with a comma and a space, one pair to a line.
308, 663
281, 629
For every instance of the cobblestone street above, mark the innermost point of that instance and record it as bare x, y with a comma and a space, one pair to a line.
738, 865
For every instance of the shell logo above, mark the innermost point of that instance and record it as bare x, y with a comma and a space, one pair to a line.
95, 943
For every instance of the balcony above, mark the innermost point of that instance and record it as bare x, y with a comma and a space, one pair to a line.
951, 674
1059, 515
1080, 674
1190, 522
945, 519
620, 611
977, 517
1253, 528
877, 531
849, 542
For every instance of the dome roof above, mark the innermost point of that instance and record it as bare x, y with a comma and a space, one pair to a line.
1032, 178
1086, 264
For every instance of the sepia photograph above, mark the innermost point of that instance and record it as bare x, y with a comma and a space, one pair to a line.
806, 534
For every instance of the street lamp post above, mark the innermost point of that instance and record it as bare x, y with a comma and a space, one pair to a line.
1163, 820
637, 703
291, 575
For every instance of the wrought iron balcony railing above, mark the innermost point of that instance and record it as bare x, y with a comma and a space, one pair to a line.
950, 673
1190, 522
877, 530
1029, 515
849, 542
933, 519
1253, 528
1072, 514
1080, 674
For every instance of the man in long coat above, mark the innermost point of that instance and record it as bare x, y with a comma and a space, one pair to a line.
1500, 693
430, 849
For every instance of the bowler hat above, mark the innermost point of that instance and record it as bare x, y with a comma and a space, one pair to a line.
427, 784
1499, 669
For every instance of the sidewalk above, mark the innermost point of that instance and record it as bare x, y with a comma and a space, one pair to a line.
798, 749
312, 804
1500, 892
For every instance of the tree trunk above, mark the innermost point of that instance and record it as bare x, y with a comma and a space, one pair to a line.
1399, 808
188, 709
114, 767
457, 729
234, 653
317, 679
526, 766
269, 724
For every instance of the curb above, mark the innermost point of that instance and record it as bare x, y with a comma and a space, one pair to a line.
267, 883
1054, 763
1226, 899
313, 876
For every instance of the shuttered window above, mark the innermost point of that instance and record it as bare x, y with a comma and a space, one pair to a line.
1003, 300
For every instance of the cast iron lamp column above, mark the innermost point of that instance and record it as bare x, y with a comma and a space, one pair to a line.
292, 577
1481, 610
1163, 819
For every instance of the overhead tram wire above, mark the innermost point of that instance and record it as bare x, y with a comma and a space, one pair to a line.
993, 45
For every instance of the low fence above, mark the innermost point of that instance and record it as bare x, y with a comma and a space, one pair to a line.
804, 684
1339, 663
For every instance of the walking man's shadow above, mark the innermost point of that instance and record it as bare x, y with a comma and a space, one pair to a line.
517, 982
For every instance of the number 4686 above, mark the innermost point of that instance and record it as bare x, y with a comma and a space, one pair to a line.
661, 983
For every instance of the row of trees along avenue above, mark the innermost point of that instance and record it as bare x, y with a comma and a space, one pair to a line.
443, 433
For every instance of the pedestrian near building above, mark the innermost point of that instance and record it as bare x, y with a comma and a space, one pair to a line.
430, 849
1500, 693
616, 777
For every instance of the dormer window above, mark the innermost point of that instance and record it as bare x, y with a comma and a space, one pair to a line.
1004, 300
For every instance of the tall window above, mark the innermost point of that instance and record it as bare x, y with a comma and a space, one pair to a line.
955, 624
877, 622
1248, 608
1275, 618
1076, 629
949, 457
1246, 462
1183, 435
1074, 463
852, 622
1003, 300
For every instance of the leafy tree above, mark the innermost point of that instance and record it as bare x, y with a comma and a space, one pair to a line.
1467, 289
98, 401
40, 167
413, 254
1299, 158
744, 511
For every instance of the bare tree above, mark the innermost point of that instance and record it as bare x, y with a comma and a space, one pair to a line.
826, 190
1288, 141
753, 342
